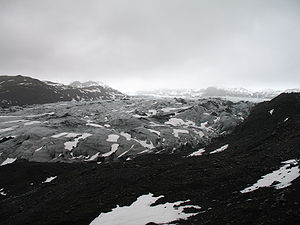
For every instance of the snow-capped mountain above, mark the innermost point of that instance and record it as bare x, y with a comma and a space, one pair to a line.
211, 92
78, 84
22, 90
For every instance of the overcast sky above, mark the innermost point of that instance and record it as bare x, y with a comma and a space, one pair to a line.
147, 44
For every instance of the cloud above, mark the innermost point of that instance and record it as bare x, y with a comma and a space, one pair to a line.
136, 44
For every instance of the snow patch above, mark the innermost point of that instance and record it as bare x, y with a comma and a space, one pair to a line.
49, 179
89, 123
39, 149
126, 151
154, 131
278, 179
93, 157
8, 161
221, 149
2, 192
197, 153
112, 138
141, 212
126, 135
114, 148
69, 145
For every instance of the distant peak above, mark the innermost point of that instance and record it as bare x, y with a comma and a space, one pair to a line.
78, 84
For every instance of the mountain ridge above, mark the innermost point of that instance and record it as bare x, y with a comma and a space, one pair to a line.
215, 92
23, 90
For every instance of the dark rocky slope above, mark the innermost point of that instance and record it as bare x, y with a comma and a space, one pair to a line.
212, 181
21, 90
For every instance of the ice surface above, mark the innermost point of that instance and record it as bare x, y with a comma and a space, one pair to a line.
114, 148
8, 129
59, 135
73, 118
38, 115
32, 123
15, 121
176, 132
145, 144
89, 123
200, 133
278, 179
169, 109
141, 212
154, 131
153, 112
179, 122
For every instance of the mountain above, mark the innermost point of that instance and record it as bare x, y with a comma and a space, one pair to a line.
21, 90
78, 84
212, 92
248, 176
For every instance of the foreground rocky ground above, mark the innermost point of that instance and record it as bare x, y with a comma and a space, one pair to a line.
221, 178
